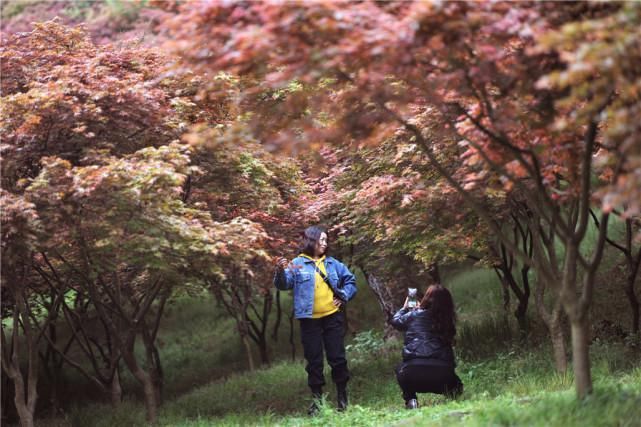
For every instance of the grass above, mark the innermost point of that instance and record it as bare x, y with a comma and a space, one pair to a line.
477, 293
88, 10
506, 383
198, 334
513, 388
12, 8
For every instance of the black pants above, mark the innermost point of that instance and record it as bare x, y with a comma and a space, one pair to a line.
426, 378
328, 333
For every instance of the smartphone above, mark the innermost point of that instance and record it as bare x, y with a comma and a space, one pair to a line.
411, 298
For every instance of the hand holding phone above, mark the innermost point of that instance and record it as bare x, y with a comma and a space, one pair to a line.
411, 298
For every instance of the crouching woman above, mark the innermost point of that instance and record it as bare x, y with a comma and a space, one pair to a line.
428, 358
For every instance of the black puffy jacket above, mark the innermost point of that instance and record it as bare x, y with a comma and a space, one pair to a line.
420, 341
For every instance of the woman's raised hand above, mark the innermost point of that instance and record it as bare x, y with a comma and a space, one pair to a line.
282, 262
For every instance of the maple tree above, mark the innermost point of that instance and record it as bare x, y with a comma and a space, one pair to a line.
242, 180
632, 261
106, 22
130, 212
396, 216
62, 96
602, 57
124, 180
20, 228
136, 241
491, 74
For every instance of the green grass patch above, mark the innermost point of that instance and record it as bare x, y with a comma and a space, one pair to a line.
11, 8
506, 383
512, 388
476, 293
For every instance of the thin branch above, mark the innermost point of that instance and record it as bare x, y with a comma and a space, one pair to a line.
161, 308
445, 174
586, 169
84, 346
75, 364
607, 239
150, 298
588, 288
251, 305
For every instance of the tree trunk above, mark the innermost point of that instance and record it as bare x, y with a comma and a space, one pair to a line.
558, 346
553, 324
505, 293
152, 356
524, 298
264, 352
634, 266
54, 398
633, 263
150, 396
521, 317
260, 331
6, 383
248, 351
25, 397
23, 400
279, 313
504, 273
434, 273
242, 323
581, 356
151, 405
128, 355
157, 375
389, 332
52, 362
385, 301
291, 334
116, 389
634, 304
26, 416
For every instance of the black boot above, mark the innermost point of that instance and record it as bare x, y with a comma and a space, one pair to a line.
411, 404
317, 396
341, 396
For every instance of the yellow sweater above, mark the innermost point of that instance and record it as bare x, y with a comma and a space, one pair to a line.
323, 295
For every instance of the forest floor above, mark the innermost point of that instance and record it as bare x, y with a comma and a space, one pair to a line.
507, 381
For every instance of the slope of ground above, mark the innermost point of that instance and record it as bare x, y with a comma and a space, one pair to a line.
505, 383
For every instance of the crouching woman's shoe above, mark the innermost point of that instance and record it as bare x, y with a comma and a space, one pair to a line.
411, 404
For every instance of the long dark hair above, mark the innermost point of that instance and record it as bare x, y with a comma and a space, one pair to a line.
438, 300
309, 238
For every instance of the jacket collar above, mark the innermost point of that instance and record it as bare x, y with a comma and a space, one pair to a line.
307, 259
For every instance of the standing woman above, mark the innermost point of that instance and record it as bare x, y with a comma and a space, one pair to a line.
322, 285
428, 359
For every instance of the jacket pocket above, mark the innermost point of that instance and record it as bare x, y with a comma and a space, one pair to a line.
304, 277
333, 279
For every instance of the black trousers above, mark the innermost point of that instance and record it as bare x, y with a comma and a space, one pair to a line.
426, 378
324, 333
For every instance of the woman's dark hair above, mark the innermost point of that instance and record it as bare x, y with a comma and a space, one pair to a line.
438, 300
310, 236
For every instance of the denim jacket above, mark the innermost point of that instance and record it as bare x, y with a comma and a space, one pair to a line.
300, 277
